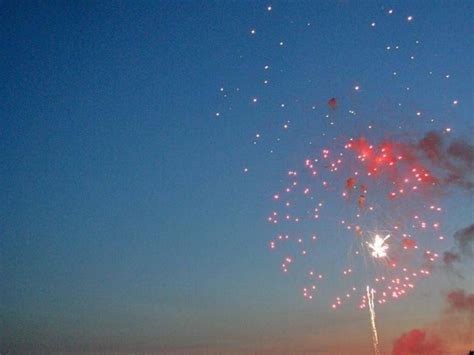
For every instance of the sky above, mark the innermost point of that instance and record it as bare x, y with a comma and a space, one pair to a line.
142, 143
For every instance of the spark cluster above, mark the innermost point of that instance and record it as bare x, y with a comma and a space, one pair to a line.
369, 200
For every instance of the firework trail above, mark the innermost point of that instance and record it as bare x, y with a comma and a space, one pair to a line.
375, 339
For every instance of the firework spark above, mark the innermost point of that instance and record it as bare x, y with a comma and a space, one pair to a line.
379, 247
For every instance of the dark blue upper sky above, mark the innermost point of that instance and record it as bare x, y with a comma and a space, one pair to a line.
126, 221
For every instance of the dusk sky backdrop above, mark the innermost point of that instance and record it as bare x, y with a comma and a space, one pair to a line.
127, 222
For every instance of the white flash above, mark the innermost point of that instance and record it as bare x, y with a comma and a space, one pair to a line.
378, 246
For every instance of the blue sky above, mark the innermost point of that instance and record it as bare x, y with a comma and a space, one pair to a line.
127, 222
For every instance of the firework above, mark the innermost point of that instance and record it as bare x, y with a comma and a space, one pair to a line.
375, 205
379, 247
360, 209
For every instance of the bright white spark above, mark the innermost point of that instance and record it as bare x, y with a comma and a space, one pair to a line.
378, 246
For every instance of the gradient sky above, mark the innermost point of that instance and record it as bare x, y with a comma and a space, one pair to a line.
127, 222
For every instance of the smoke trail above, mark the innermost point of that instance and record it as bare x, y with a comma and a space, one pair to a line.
375, 339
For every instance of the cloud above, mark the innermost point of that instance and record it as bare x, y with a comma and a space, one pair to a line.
462, 151
417, 341
433, 146
459, 301
450, 257
450, 334
463, 240
455, 159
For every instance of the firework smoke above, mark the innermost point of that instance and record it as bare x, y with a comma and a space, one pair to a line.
463, 239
